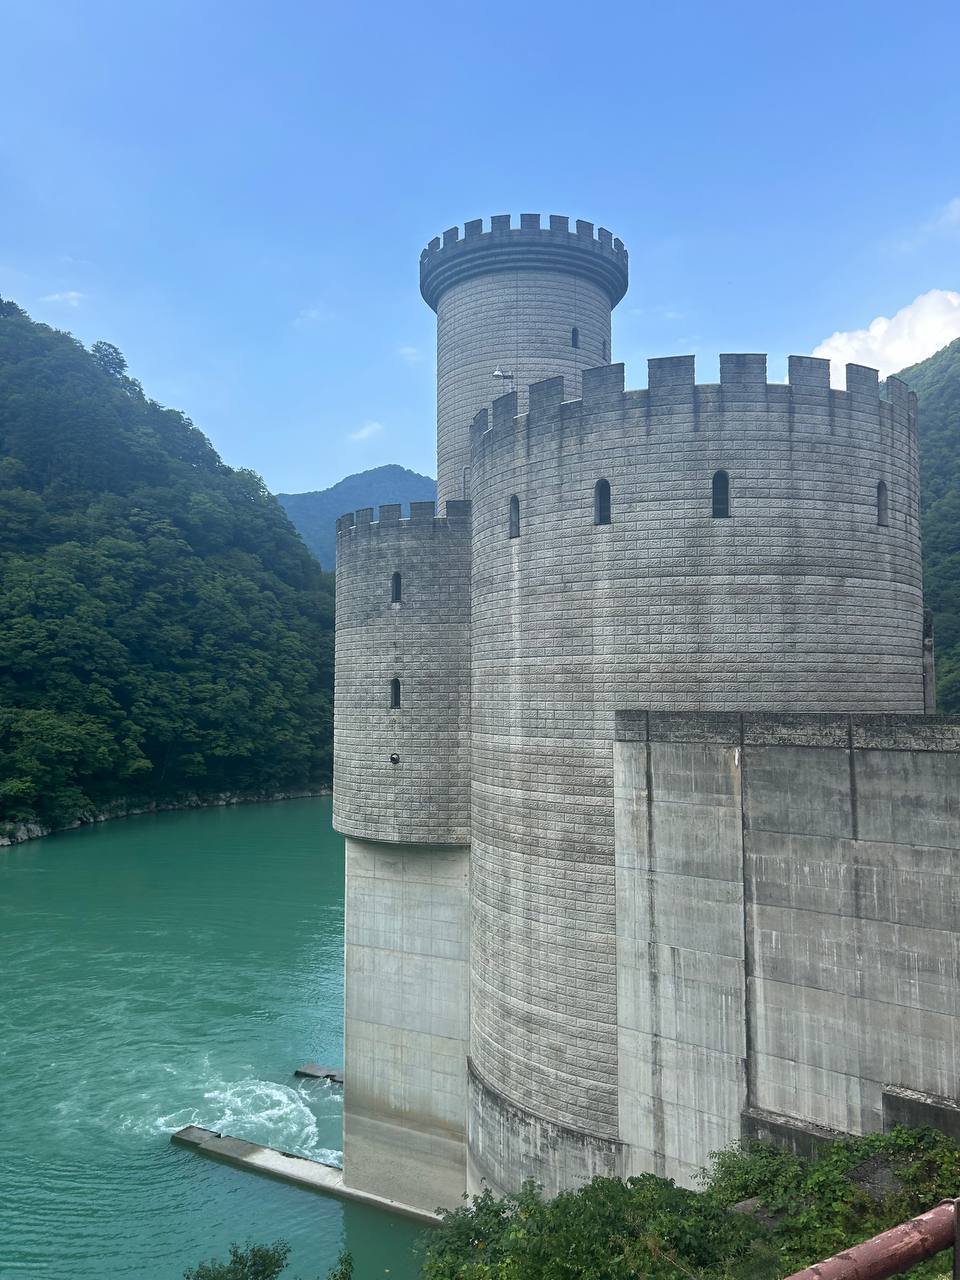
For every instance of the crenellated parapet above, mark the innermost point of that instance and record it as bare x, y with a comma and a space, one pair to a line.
594, 255
673, 400
355, 525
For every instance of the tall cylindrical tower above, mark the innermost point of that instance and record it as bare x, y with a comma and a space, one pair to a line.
533, 301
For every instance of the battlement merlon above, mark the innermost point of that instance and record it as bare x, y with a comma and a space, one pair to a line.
452, 258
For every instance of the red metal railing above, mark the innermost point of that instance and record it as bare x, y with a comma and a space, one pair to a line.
893, 1252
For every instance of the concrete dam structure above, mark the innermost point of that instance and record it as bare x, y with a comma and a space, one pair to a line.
649, 841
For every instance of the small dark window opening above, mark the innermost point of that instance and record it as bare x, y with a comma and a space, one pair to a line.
574, 337
394, 694
601, 502
606, 351
883, 509
721, 495
395, 589
514, 517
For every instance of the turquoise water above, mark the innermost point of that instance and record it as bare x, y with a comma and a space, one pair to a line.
162, 971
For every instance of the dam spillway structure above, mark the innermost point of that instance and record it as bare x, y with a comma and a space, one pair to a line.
656, 650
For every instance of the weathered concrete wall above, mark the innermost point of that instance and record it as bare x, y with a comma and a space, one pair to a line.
682, 1020
406, 966
507, 1145
788, 924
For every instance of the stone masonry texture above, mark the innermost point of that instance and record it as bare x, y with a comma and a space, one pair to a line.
424, 642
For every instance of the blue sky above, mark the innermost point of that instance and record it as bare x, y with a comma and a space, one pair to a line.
237, 194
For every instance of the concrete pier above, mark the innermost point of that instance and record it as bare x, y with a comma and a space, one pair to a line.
309, 1174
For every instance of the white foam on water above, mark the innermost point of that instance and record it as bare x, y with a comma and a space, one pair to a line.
261, 1111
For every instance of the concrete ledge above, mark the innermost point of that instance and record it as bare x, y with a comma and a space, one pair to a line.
298, 1170
313, 1071
801, 1137
901, 732
914, 1109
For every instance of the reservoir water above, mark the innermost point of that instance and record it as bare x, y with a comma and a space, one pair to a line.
161, 971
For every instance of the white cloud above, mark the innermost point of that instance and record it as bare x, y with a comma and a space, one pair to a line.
71, 298
316, 313
891, 343
368, 430
412, 355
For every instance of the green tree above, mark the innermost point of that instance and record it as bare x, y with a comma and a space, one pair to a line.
937, 384
109, 358
254, 1262
260, 1262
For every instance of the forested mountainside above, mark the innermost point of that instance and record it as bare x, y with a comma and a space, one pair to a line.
315, 514
163, 630
937, 384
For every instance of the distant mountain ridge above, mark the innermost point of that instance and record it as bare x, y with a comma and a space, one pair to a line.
314, 515
937, 384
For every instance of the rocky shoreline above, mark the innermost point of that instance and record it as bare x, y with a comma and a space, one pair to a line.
19, 832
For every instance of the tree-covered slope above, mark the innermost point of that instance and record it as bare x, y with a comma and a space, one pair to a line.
937, 384
315, 514
163, 630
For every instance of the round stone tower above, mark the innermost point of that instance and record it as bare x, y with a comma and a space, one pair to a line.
533, 302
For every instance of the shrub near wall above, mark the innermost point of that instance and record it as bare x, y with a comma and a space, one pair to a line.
803, 1210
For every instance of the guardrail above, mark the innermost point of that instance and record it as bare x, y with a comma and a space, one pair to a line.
894, 1252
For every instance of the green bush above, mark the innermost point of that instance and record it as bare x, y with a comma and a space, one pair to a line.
260, 1262
646, 1227
857, 1188
617, 1230
255, 1262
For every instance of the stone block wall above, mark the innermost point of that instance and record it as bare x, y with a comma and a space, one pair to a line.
521, 323
424, 642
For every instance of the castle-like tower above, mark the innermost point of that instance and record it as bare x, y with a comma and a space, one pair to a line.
737, 547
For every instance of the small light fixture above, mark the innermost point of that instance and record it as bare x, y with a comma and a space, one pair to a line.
394, 759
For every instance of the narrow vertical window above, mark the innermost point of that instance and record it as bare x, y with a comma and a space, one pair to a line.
394, 693
601, 502
883, 510
514, 517
606, 350
721, 495
395, 589
574, 337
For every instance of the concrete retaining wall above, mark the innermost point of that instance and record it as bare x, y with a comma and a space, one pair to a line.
788, 921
